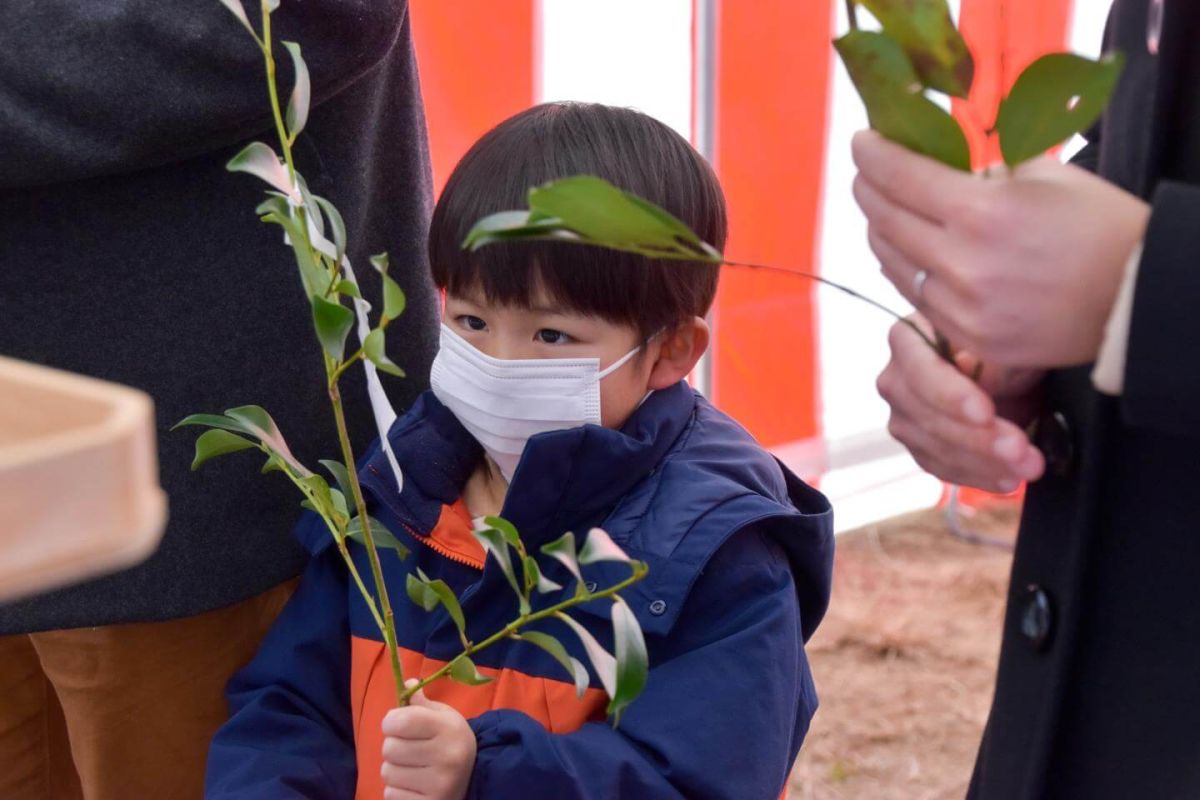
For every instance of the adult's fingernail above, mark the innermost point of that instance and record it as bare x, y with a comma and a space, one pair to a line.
975, 410
1008, 447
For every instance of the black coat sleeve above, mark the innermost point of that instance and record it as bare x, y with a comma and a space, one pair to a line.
92, 88
1162, 366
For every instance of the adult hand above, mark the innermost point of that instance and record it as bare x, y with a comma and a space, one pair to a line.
428, 752
961, 431
1021, 270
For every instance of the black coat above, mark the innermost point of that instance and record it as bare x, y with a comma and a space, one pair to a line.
1098, 692
129, 253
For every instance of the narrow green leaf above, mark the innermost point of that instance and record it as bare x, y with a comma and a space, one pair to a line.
259, 160
315, 278
420, 593
381, 263
465, 671
340, 474
394, 300
333, 322
493, 542
273, 464
563, 549
216, 442
517, 226
1056, 97
373, 347
573, 666
211, 421
901, 114
320, 489
238, 10
924, 29
600, 547
297, 108
337, 225
602, 661
448, 599
348, 288
535, 579
632, 660
507, 529
379, 532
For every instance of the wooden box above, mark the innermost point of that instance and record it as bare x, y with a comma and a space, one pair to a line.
79, 492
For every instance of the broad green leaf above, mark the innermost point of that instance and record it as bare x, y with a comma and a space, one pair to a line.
507, 528
1056, 97
465, 671
632, 661
379, 533
373, 347
333, 322
394, 300
297, 109
337, 225
600, 547
602, 661
606, 215
535, 579
340, 474
563, 549
901, 114
573, 666
493, 542
260, 160
924, 29
216, 442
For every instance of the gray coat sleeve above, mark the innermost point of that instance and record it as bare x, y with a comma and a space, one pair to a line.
93, 88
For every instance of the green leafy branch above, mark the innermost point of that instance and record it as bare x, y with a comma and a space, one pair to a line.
919, 50
316, 233
584, 209
622, 673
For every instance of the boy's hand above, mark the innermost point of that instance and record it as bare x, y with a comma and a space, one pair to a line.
428, 752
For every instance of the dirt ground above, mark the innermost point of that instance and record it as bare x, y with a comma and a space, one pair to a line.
904, 662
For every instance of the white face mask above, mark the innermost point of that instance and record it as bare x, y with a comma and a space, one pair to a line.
503, 402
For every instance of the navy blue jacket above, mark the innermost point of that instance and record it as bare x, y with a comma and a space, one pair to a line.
740, 555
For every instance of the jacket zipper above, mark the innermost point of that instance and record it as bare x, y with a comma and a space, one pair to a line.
424, 538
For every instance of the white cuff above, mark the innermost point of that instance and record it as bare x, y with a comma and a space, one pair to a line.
1108, 375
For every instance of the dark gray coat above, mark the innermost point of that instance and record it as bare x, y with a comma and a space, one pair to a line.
1098, 693
129, 253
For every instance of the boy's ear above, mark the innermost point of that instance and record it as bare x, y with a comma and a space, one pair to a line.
679, 348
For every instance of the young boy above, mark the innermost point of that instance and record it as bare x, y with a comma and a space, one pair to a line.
559, 402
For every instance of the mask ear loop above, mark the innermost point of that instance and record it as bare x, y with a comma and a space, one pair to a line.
623, 360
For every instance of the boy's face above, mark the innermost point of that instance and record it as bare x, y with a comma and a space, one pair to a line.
547, 331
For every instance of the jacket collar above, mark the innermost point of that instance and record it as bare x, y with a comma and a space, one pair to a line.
564, 479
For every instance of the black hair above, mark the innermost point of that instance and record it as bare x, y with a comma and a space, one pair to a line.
629, 149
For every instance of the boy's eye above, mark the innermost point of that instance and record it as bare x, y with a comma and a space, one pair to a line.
472, 322
551, 336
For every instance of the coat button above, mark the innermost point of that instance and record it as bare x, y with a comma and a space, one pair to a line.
590, 586
658, 608
1051, 433
1037, 617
